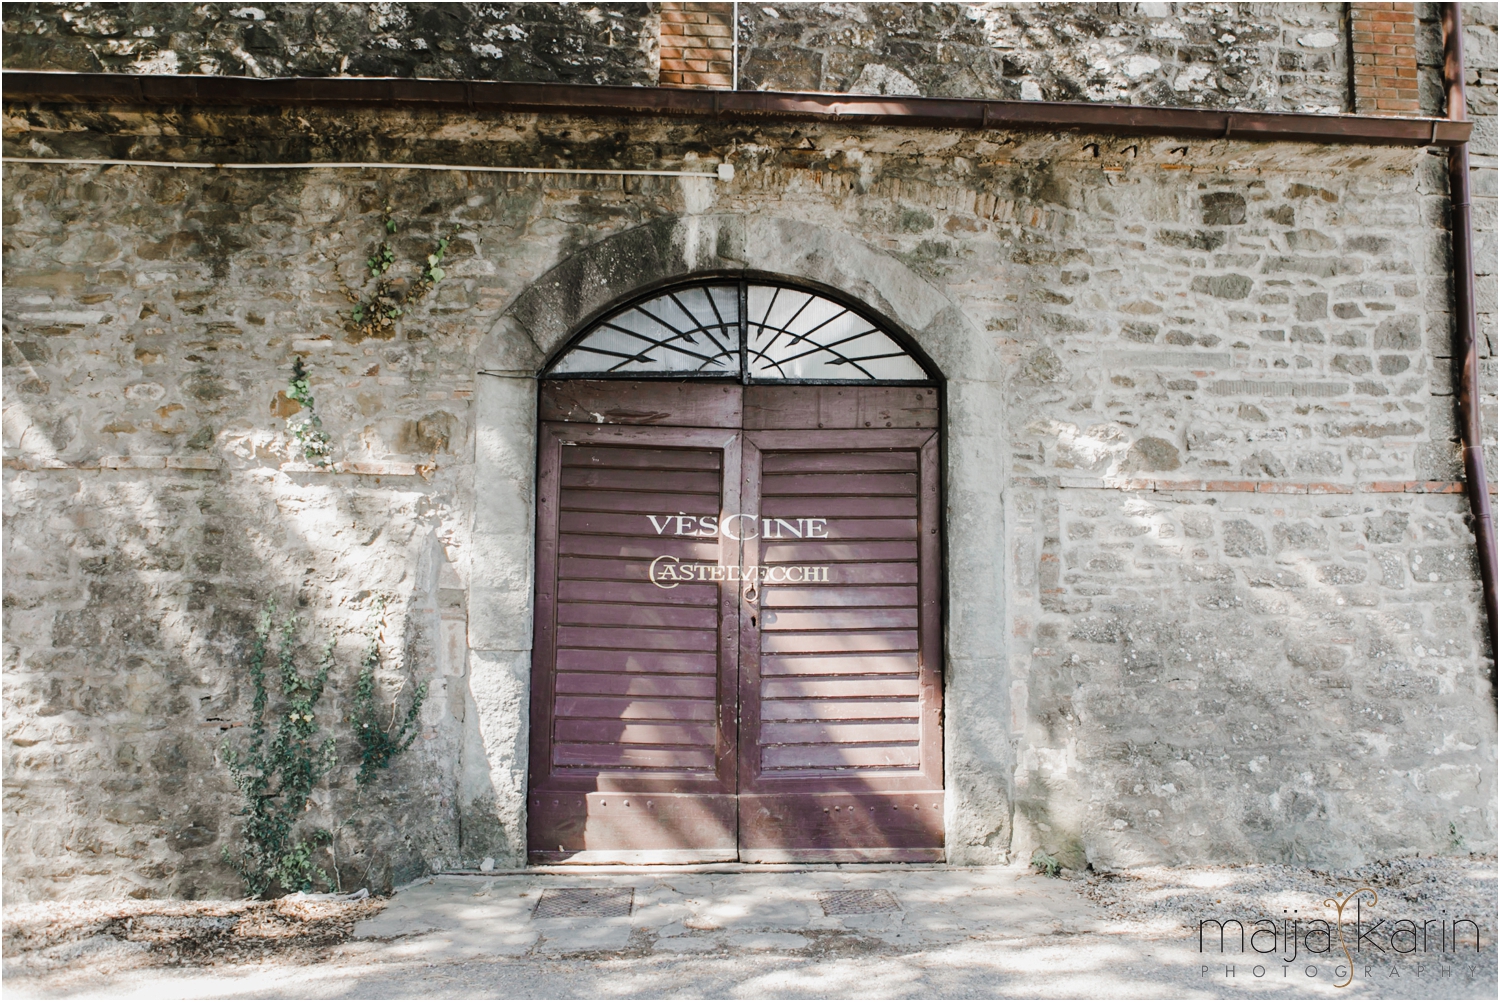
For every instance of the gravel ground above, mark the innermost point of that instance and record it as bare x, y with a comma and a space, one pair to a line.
1120, 936
108, 937
1162, 898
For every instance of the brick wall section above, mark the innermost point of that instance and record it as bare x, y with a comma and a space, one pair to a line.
697, 45
1383, 38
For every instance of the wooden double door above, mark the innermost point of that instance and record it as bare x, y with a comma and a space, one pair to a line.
737, 649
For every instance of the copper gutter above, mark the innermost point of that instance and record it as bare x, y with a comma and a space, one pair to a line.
1465, 343
740, 106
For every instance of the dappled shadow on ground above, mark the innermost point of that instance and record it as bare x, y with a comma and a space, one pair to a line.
959, 932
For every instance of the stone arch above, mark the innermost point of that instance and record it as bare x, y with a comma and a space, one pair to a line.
621, 267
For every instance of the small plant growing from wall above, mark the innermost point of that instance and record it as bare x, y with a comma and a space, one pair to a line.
377, 743
313, 442
1045, 863
376, 310
287, 757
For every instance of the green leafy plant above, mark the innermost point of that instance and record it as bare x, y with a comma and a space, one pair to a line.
390, 298
306, 427
1047, 864
379, 743
433, 271
287, 756
281, 764
376, 743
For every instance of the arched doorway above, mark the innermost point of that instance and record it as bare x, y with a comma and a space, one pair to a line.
738, 638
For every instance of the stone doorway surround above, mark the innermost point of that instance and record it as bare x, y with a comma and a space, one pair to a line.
978, 753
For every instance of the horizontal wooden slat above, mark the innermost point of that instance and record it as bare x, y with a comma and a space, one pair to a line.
839, 709
807, 551
637, 547
825, 506
596, 478
632, 757
613, 660
814, 643
843, 574
832, 664
883, 732
644, 594
830, 407
644, 502
836, 526
609, 708
643, 402
839, 619
609, 684
627, 567
683, 616
827, 596
839, 483
610, 731
798, 687
841, 526
879, 461
839, 756
637, 639
618, 457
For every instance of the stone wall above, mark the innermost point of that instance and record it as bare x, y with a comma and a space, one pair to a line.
1239, 620
1276, 57
1481, 60
1279, 57
600, 43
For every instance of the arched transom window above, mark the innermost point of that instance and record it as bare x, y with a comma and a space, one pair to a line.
753, 332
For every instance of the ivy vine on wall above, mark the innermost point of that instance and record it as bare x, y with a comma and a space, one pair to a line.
376, 309
306, 427
288, 754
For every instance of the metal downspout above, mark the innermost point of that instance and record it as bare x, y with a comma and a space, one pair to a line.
1465, 340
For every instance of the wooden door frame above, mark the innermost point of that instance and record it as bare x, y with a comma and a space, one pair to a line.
931, 446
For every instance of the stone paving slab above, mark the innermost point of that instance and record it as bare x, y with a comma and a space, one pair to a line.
675, 912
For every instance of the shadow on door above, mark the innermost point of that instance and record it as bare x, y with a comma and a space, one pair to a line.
738, 630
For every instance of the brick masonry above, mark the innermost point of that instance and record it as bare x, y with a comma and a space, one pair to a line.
1238, 615
1383, 39
697, 48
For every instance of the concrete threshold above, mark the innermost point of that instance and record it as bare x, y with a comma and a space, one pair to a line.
583, 869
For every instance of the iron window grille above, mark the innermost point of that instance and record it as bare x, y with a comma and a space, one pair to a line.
747, 331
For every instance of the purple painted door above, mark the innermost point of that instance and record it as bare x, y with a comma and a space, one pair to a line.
840, 679
737, 651
633, 685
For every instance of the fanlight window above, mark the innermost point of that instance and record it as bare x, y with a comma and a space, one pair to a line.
747, 331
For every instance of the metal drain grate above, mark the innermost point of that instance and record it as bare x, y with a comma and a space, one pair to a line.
857, 902
584, 902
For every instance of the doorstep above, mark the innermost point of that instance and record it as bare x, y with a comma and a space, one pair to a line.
717, 908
